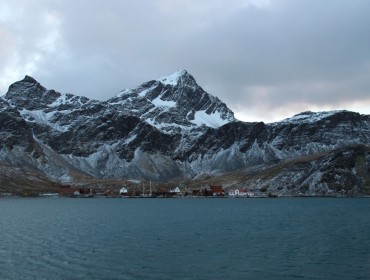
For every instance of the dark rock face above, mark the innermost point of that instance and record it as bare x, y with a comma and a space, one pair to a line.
163, 129
14, 129
30, 95
343, 171
328, 128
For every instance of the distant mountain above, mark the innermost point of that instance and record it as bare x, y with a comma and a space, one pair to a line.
340, 172
164, 129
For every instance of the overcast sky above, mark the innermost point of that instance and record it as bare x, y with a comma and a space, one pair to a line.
266, 59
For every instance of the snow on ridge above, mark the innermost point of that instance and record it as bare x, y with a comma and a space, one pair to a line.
311, 117
121, 102
61, 100
65, 98
173, 78
212, 120
163, 125
144, 92
40, 116
123, 92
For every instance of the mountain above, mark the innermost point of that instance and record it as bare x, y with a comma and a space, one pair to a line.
173, 102
162, 130
340, 172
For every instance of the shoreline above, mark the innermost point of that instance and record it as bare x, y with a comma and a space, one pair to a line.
57, 195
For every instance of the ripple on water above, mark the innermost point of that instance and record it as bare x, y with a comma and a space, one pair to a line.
185, 239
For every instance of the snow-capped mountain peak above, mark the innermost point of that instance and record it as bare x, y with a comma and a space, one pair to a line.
174, 101
174, 78
177, 78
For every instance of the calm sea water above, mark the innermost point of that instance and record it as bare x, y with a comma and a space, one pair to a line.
284, 238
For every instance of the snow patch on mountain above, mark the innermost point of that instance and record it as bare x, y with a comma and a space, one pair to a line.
41, 117
144, 92
168, 128
158, 102
124, 92
173, 78
60, 101
66, 98
310, 117
212, 120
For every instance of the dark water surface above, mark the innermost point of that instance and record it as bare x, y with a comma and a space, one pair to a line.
284, 238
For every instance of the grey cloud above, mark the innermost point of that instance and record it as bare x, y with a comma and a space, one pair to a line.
257, 56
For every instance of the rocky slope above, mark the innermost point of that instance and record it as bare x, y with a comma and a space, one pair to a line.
164, 129
341, 172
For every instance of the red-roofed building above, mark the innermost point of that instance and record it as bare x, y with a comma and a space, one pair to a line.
216, 190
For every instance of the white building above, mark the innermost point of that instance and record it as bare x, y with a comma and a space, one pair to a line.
123, 190
175, 190
240, 192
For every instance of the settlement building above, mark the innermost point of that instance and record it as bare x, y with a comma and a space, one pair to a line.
239, 192
216, 190
123, 191
175, 190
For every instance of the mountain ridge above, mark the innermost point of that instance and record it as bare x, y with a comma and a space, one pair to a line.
165, 129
